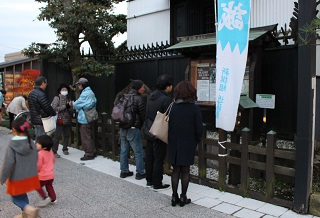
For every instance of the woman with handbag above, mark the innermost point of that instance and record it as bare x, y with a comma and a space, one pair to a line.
185, 131
63, 106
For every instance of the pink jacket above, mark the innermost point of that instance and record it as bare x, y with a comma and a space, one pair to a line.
46, 161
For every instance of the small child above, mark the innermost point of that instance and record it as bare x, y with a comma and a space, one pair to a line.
46, 161
19, 168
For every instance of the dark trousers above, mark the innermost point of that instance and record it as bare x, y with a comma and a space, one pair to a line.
155, 154
66, 131
11, 118
87, 140
49, 188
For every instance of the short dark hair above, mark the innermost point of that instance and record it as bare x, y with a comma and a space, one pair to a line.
39, 80
45, 141
163, 81
3, 91
185, 91
25, 97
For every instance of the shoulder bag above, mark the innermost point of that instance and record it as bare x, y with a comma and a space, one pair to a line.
160, 126
91, 114
49, 124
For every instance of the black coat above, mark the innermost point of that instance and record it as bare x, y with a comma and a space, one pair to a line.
158, 100
39, 106
185, 131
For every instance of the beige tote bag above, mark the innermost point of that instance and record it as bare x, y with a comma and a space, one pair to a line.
160, 126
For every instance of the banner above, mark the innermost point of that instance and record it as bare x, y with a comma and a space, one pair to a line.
232, 51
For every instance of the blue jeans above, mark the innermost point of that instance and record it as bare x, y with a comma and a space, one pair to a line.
131, 137
20, 200
39, 131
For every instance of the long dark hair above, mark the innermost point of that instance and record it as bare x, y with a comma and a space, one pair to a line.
22, 126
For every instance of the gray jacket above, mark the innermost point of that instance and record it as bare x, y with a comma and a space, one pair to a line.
20, 161
59, 104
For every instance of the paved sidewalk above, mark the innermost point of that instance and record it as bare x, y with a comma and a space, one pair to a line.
94, 189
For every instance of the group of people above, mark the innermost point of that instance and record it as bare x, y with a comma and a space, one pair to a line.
185, 131
29, 165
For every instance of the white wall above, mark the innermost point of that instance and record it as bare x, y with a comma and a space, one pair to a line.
148, 21
268, 12
141, 7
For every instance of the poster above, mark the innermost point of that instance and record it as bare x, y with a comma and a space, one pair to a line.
206, 82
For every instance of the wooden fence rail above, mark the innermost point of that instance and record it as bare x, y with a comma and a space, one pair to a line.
236, 163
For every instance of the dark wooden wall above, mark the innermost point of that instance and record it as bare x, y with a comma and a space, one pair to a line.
55, 76
190, 17
149, 70
279, 77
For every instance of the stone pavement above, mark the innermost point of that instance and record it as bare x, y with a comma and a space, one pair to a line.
94, 189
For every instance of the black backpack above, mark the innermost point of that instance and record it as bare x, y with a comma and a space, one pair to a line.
122, 111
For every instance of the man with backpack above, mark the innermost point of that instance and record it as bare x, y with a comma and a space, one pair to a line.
130, 132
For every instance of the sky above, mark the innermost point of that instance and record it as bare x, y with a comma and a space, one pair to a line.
19, 26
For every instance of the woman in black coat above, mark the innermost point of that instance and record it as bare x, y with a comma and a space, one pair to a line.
185, 131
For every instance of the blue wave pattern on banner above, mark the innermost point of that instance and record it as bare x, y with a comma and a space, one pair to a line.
233, 23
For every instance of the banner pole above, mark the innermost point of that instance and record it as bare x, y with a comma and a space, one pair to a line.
216, 19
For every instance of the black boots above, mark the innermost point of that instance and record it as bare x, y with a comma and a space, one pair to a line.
184, 200
175, 200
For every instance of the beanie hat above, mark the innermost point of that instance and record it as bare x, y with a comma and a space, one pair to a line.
136, 84
63, 85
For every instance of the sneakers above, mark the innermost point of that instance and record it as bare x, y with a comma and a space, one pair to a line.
140, 176
126, 174
56, 155
44, 203
84, 158
161, 187
53, 202
66, 152
149, 184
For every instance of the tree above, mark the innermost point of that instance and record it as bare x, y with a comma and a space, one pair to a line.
76, 22
26, 81
310, 31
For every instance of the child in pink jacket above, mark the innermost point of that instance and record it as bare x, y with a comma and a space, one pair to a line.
45, 164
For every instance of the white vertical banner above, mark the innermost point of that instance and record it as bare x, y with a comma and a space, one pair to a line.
232, 51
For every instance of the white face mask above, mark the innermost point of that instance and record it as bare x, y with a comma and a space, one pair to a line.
64, 93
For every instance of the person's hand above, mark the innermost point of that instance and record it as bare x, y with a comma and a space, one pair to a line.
1, 183
0, 118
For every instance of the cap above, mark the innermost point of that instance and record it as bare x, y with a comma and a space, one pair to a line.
82, 81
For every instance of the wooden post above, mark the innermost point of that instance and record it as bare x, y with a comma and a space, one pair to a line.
305, 114
114, 141
104, 123
270, 178
94, 134
246, 137
78, 138
222, 160
234, 170
201, 160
